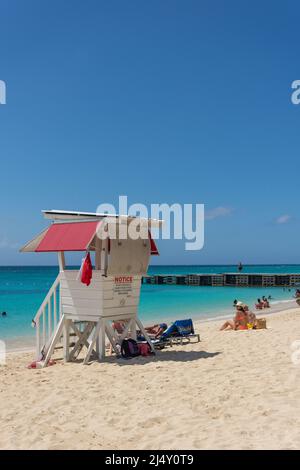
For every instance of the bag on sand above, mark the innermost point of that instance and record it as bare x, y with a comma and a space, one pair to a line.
261, 323
129, 348
145, 349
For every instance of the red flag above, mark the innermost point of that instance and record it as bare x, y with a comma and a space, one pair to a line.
87, 270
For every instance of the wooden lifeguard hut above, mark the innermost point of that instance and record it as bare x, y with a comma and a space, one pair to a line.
87, 312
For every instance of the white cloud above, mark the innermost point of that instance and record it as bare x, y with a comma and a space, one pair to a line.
217, 212
283, 219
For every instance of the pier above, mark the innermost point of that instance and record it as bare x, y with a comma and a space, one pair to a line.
226, 279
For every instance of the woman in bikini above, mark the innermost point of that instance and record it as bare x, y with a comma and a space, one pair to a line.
240, 320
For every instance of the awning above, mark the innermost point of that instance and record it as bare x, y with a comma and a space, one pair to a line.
69, 236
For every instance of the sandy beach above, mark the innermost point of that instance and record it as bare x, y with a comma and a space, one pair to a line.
233, 390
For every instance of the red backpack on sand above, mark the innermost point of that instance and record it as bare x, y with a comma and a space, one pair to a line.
145, 349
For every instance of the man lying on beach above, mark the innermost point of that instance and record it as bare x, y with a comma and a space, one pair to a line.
241, 319
156, 330
118, 326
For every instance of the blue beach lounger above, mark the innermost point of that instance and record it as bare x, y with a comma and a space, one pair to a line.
178, 332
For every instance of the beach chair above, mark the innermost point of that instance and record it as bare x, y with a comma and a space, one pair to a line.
179, 332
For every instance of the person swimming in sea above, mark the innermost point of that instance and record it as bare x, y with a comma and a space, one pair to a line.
4, 314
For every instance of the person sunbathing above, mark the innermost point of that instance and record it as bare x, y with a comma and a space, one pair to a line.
240, 320
118, 326
156, 330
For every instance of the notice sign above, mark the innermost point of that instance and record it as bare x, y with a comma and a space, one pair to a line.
123, 286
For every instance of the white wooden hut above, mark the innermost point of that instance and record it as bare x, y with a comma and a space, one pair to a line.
87, 312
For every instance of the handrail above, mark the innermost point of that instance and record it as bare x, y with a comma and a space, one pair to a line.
47, 317
47, 298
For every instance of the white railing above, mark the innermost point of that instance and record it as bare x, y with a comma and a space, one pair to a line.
47, 317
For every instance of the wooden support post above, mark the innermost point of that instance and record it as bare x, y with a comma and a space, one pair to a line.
82, 339
104, 255
38, 339
113, 338
101, 337
55, 339
66, 340
92, 343
44, 327
133, 328
98, 245
61, 260
141, 327
54, 307
49, 319
98, 347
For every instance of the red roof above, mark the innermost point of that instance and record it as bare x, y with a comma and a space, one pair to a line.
68, 237
74, 236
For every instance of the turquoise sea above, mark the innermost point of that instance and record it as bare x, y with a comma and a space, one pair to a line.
22, 290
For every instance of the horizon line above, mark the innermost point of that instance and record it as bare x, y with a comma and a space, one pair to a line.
153, 265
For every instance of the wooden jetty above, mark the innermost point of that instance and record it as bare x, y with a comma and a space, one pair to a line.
226, 279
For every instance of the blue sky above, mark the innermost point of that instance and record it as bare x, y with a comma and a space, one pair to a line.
164, 101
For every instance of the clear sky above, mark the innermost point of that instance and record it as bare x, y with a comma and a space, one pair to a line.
163, 101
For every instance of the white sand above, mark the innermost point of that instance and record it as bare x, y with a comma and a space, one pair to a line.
232, 390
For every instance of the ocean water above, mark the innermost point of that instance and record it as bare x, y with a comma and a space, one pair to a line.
22, 290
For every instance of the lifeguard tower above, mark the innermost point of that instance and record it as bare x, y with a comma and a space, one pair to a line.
87, 312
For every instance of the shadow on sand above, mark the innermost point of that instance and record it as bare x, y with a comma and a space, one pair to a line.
162, 356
